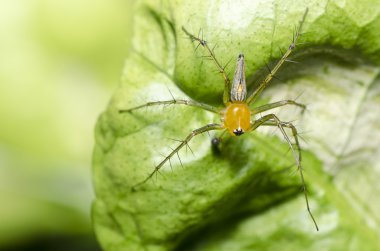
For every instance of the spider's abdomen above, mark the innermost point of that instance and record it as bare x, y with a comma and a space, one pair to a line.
237, 118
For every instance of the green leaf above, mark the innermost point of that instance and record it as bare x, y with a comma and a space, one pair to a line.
246, 197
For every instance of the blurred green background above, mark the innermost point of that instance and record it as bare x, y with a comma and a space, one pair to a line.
60, 61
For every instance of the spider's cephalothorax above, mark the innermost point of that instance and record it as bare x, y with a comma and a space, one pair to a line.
237, 116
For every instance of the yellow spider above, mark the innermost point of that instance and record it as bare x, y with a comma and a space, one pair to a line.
237, 116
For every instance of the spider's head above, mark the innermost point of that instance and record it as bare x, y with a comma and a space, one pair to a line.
238, 131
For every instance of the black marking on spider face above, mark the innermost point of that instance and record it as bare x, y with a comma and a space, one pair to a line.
238, 132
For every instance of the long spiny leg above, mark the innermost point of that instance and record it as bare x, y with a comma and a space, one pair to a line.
176, 102
221, 69
183, 143
271, 74
268, 118
270, 106
272, 120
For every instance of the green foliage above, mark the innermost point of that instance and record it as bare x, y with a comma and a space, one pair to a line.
246, 197
59, 62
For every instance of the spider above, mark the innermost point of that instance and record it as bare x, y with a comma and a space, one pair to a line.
236, 117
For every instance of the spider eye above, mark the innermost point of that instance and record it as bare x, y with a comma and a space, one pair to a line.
238, 132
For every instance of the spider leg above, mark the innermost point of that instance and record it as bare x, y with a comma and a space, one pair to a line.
284, 58
174, 102
221, 69
183, 143
270, 106
273, 120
